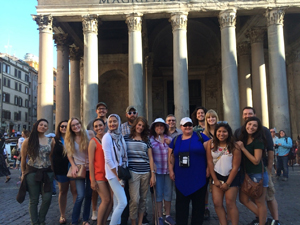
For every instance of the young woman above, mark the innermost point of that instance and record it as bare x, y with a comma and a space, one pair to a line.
160, 140
97, 172
60, 165
76, 144
37, 173
223, 159
140, 163
252, 142
283, 144
211, 119
115, 155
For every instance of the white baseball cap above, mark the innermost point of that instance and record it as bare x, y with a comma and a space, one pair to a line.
185, 120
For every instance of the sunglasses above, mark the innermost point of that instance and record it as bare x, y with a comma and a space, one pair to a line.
63, 126
222, 122
187, 125
129, 113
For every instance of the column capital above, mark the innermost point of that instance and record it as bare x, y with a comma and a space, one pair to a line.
275, 16
244, 48
90, 24
227, 18
44, 22
179, 20
256, 34
134, 22
61, 40
75, 52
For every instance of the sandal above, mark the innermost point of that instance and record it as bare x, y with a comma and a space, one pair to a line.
7, 179
62, 220
85, 223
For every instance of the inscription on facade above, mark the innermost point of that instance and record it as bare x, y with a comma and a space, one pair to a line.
133, 1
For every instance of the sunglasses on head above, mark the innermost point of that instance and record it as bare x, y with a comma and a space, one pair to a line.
129, 113
187, 125
222, 122
63, 126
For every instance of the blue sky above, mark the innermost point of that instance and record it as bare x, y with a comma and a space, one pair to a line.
18, 31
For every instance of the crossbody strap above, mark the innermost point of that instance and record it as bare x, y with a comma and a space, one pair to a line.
112, 140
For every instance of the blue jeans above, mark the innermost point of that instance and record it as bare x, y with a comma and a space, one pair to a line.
84, 191
54, 187
282, 164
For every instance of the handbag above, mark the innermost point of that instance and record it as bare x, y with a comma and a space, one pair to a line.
250, 188
123, 171
81, 173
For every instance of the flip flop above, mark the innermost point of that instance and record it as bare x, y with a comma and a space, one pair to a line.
7, 179
62, 220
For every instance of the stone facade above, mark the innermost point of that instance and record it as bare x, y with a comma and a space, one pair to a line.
171, 56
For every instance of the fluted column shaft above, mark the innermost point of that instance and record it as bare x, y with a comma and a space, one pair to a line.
62, 78
90, 80
75, 95
180, 65
277, 68
259, 80
230, 89
136, 78
45, 73
245, 86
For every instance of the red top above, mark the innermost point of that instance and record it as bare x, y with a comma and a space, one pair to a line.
99, 162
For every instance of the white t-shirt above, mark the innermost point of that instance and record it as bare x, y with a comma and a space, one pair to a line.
224, 164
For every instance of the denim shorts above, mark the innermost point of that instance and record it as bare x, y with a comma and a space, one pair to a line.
256, 177
62, 178
164, 187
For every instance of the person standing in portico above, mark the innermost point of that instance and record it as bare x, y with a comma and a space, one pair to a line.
171, 121
131, 115
198, 118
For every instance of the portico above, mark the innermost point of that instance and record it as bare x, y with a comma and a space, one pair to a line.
168, 57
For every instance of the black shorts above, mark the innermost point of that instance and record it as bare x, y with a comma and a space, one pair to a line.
235, 182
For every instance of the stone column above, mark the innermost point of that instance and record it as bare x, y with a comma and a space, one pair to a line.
180, 65
45, 74
75, 95
259, 80
149, 73
90, 79
245, 86
136, 77
230, 89
62, 77
278, 80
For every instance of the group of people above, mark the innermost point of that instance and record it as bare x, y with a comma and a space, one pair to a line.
203, 152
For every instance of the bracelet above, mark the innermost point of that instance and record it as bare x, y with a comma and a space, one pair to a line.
153, 171
228, 185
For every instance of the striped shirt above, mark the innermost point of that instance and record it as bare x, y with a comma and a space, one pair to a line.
137, 153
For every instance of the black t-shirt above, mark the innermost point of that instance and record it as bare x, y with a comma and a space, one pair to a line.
60, 161
269, 141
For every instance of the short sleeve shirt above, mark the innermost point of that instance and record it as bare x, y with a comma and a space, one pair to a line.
190, 179
137, 153
250, 167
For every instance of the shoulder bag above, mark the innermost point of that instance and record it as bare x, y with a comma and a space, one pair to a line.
123, 171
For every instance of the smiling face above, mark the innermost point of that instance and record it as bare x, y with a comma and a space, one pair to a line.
131, 115
251, 127
187, 128
200, 115
282, 133
101, 111
211, 120
42, 127
99, 127
159, 128
113, 123
63, 127
171, 121
75, 126
140, 127
247, 113
222, 134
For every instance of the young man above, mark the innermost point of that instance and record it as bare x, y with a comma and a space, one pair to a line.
171, 121
131, 115
101, 110
270, 197
198, 118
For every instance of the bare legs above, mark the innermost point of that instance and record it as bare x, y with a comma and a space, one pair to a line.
106, 202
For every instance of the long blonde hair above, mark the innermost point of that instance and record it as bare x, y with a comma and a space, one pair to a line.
209, 113
70, 139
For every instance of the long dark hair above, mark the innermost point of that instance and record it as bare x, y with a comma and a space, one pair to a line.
57, 132
194, 115
145, 133
230, 139
33, 140
154, 134
259, 134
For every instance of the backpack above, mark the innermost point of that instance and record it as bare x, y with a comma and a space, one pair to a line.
14, 152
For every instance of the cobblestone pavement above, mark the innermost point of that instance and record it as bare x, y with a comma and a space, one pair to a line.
287, 194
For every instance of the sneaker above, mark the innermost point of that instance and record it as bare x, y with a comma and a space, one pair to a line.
160, 221
254, 222
54, 194
206, 214
94, 215
169, 220
296, 164
269, 221
275, 222
145, 220
284, 179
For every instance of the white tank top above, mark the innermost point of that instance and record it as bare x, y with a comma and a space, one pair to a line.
222, 160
